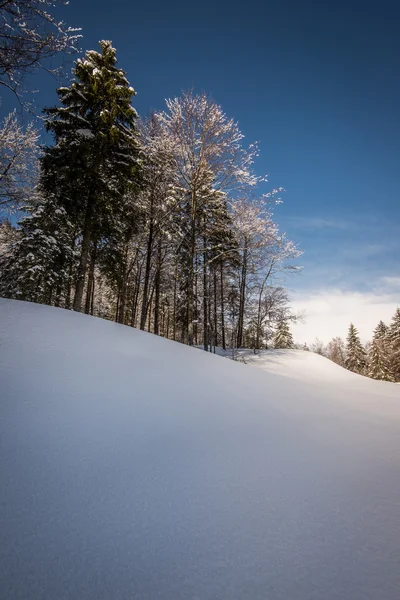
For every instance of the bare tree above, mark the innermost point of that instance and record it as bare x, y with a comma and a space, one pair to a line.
30, 35
336, 351
18, 161
208, 148
264, 253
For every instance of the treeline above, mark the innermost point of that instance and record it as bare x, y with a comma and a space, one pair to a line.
379, 358
154, 222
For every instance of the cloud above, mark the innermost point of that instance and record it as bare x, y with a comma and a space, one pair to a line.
313, 223
330, 312
391, 282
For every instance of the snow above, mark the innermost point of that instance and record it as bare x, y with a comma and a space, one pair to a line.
135, 467
85, 133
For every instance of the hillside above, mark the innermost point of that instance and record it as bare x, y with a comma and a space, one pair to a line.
307, 367
135, 467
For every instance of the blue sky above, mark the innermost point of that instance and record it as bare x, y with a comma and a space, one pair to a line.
318, 85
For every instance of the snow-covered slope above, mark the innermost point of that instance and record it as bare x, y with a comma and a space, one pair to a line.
307, 367
137, 468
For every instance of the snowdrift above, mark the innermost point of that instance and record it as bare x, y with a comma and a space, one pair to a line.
137, 468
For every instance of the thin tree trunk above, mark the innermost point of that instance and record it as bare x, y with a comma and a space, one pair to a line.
123, 287
147, 271
90, 278
117, 310
205, 297
82, 268
167, 326
157, 289
150, 307
242, 294
174, 302
92, 298
222, 308
215, 309
192, 252
196, 310
136, 297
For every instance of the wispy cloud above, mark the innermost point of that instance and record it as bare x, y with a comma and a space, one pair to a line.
315, 223
328, 313
391, 282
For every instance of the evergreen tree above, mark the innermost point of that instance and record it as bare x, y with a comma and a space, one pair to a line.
38, 263
377, 364
393, 337
283, 337
356, 356
95, 161
381, 331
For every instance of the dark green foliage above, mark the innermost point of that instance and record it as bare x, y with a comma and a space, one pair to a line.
94, 167
38, 264
356, 358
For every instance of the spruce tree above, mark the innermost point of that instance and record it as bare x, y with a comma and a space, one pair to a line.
38, 263
381, 331
283, 337
378, 368
355, 353
393, 337
94, 164
378, 355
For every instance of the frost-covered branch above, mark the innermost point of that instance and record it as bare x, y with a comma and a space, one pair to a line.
30, 35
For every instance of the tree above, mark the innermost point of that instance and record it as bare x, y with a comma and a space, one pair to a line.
94, 167
30, 35
378, 368
37, 265
18, 161
210, 159
318, 347
393, 337
283, 337
356, 358
336, 351
381, 331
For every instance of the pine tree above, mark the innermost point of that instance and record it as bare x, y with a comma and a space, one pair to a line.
283, 337
38, 263
377, 364
393, 337
95, 161
356, 357
381, 331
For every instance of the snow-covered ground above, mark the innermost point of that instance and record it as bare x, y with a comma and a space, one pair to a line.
308, 367
137, 468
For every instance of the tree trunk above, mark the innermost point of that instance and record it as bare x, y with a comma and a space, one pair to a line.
136, 297
157, 286
174, 302
242, 295
192, 252
123, 286
150, 307
222, 308
215, 309
82, 268
147, 271
90, 283
205, 297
